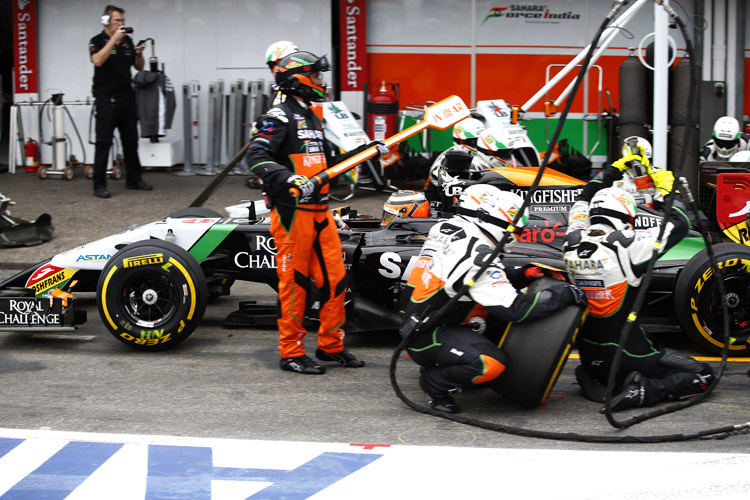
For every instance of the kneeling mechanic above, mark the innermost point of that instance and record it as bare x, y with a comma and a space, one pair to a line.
454, 356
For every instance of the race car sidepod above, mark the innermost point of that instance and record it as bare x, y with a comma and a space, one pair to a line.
537, 352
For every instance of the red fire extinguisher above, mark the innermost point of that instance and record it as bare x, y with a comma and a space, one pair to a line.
382, 108
32, 155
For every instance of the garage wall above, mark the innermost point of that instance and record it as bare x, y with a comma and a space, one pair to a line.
195, 40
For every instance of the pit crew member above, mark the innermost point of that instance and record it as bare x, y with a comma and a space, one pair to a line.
454, 356
607, 259
288, 148
645, 182
465, 135
726, 139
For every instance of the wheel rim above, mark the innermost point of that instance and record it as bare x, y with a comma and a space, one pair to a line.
737, 300
149, 298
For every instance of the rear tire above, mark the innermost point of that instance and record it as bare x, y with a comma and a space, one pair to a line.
698, 303
151, 295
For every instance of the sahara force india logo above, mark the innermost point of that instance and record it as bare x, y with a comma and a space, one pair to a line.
531, 13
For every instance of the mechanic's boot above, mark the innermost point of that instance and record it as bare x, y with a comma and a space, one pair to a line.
301, 364
443, 402
344, 358
632, 395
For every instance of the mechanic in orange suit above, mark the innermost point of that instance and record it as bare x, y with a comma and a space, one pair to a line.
288, 148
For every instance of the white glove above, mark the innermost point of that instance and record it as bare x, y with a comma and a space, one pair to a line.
305, 185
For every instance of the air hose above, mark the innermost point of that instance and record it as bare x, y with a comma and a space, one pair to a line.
432, 320
655, 255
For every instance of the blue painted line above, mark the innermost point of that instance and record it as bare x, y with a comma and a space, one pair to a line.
7, 444
179, 472
56, 478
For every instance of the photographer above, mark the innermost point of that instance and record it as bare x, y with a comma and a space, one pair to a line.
113, 53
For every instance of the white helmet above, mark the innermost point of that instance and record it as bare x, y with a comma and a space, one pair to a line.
498, 213
740, 156
726, 135
278, 50
637, 143
466, 132
471, 197
614, 207
495, 147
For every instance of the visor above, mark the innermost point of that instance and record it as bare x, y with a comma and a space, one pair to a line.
726, 145
500, 154
321, 65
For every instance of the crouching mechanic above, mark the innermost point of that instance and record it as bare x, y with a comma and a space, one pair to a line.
646, 183
454, 356
607, 259
288, 148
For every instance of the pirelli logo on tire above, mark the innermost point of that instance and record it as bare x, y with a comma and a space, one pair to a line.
143, 260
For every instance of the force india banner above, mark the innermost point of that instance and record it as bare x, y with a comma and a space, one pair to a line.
25, 79
353, 36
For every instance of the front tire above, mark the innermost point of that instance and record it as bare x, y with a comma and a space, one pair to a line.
698, 303
151, 295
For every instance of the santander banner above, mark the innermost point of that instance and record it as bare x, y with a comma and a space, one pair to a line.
353, 36
24, 47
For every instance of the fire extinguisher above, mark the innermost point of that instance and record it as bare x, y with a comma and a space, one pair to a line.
31, 149
382, 108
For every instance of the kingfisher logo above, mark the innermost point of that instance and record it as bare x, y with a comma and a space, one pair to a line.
531, 14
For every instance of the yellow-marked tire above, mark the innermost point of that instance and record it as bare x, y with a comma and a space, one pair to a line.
537, 352
698, 302
151, 295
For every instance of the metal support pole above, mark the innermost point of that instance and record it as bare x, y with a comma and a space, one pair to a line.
238, 128
661, 86
186, 133
210, 168
218, 123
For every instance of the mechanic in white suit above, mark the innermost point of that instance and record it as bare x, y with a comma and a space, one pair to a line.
607, 258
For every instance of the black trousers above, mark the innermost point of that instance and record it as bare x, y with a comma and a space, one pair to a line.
455, 357
116, 113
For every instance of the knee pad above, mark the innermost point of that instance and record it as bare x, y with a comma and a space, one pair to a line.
491, 369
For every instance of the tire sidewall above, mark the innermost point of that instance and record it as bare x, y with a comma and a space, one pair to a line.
693, 288
185, 278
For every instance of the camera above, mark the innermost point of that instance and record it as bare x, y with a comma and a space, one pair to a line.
127, 30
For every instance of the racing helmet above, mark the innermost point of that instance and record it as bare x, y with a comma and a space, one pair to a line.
495, 147
614, 207
277, 51
293, 75
741, 157
633, 144
497, 214
466, 132
726, 136
471, 197
405, 204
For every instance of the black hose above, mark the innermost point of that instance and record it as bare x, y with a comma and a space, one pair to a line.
654, 256
719, 432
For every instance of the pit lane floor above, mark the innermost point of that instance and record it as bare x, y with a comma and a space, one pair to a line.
224, 384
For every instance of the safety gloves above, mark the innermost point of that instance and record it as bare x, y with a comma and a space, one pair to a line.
305, 185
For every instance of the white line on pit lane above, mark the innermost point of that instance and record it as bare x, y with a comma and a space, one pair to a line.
77, 466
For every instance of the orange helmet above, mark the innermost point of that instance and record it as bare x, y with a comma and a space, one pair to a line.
405, 204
